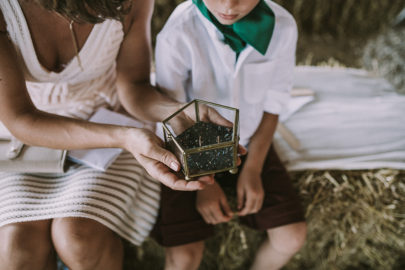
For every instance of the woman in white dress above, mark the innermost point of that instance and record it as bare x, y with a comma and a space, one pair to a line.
59, 62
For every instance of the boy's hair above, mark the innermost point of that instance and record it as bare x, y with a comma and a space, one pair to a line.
88, 11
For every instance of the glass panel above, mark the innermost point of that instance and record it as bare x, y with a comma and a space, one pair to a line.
201, 124
182, 120
216, 113
210, 160
172, 147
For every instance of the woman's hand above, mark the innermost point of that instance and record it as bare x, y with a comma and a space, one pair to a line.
208, 114
160, 163
187, 118
249, 191
212, 205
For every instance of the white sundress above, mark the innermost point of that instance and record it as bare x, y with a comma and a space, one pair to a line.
124, 198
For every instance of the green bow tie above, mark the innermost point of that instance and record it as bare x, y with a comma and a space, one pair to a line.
255, 29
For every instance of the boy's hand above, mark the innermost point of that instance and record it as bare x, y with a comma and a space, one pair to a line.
212, 205
249, 191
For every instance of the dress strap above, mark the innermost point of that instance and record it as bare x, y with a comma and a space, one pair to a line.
18, 31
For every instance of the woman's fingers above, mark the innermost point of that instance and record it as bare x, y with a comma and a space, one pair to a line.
207, 179
157, 157
242, 150
184, 185
163, 174
215, 117
181, 123
164, 156
147, 144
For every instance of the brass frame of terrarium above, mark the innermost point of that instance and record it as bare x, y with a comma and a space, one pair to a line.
185, 152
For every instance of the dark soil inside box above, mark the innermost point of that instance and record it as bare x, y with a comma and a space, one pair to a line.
203, 134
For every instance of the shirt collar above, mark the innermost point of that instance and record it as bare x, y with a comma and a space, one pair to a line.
255, 29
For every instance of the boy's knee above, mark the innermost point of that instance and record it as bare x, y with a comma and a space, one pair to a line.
25, 245
288, 239
83, 241
184, 257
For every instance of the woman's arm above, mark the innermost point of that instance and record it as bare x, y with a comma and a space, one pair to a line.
19, 114
138, 97
35, 127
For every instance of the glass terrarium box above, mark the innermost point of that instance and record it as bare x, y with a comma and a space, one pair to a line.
204, 137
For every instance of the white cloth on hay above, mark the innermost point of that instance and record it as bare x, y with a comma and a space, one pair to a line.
356, 121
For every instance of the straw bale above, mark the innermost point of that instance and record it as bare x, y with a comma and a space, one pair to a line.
344, 18
356, 220
341, 18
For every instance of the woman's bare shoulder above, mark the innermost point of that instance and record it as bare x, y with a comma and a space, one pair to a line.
140, 13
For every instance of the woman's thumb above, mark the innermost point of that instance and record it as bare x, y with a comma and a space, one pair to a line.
166, 157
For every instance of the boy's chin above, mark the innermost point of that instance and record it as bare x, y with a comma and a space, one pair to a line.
225, 21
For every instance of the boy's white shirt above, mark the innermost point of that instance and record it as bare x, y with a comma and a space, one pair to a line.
192, 62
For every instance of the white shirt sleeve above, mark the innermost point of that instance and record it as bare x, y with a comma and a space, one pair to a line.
172, 71
282, 79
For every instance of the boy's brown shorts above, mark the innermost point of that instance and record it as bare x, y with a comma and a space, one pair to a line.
180, 223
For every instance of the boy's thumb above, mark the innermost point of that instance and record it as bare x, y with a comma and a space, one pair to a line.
240, 198
225, 207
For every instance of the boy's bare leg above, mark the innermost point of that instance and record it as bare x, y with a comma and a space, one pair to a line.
282, 244
184, 257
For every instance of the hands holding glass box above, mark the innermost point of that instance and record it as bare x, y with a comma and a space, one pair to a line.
204, 137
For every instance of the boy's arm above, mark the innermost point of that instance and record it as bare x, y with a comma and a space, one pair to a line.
261, 141
249, 188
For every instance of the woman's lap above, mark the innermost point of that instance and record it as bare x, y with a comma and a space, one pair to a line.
124, 198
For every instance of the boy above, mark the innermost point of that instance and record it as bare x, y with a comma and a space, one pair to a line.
239, 53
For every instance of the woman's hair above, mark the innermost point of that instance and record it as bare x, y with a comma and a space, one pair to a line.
88, 11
